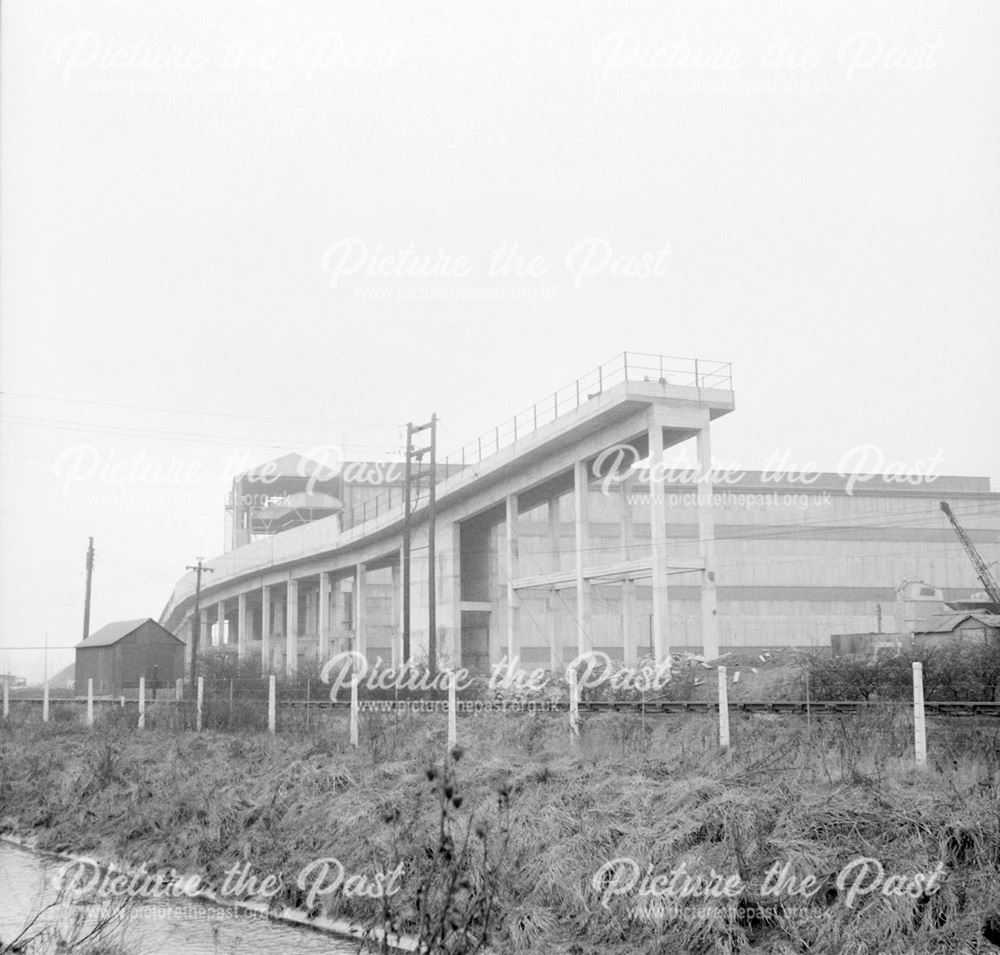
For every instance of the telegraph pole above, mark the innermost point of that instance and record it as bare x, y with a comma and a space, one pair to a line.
416, 454
86, 599
196, 623
431, 588
406, 544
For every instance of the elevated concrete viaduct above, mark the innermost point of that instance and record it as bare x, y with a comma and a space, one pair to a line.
335, 584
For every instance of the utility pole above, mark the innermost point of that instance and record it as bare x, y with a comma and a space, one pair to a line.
431, 588
416, 454
196, 623
406, 544
86, 599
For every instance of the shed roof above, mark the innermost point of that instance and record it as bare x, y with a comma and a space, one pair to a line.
948, 623
117, 630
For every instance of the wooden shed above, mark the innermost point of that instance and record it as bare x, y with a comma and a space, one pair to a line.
117, 655
965, 629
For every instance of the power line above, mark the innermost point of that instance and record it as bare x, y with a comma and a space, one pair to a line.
190, 437
199, 414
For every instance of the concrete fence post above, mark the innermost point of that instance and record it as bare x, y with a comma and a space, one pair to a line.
354, 711
574, 709
179, 689
200, 704
45, 703
6, 699
723, 709
919, 724
123, 703
272, 721
452, 712
142, 702
90, 702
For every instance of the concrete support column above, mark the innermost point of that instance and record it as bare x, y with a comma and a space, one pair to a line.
222, 621
265, 630
360, 575
253, 630
510, 562
242, 619
580, 502
706, 543
323, 622
337, 614
628, 622
658, 540
449, 583
396, 610
292, 627
188, 632
625, 506
204, 634
552, 603
628, 586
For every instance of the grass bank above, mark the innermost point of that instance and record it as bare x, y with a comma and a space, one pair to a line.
545, 825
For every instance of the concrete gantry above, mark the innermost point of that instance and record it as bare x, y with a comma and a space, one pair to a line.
323, 622
483, 514
581, 496
510, 565
292, 626
360, 608
706, 543
265, 629
242, 626
658, 537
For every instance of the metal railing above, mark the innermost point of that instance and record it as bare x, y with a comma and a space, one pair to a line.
373, 507
697, 373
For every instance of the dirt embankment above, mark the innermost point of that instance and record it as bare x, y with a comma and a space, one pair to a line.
596, 836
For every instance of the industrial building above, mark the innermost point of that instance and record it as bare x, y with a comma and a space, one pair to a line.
560, 532
958, 629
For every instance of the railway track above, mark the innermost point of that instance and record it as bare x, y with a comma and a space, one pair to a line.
931, 707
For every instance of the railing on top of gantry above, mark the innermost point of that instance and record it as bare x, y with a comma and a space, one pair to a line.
698, 373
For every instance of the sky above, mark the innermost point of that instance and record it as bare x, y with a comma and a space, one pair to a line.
230, 230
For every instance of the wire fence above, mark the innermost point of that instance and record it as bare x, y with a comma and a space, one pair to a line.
367, 714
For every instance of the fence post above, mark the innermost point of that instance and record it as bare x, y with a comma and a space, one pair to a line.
142, 702
201, 700
271, 706
45, 703
179, 689
919, 725
452, 712
123, 703
90, 702
6, 699
354, 711
723, 709
574, 711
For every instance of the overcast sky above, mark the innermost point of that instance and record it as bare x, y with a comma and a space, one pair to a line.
206, 208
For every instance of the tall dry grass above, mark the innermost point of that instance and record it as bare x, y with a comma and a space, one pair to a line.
656, 789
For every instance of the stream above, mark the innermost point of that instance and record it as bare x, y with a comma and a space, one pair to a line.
150, 926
